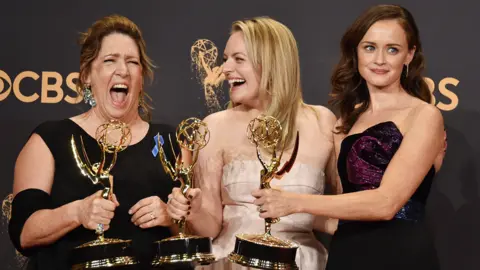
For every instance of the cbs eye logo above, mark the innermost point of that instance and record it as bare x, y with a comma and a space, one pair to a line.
50, 83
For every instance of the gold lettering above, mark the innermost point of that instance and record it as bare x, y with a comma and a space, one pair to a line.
16, 86
442, 87
431, 87
55, 87
73, 99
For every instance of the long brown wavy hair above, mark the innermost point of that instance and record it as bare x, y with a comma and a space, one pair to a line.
350, 97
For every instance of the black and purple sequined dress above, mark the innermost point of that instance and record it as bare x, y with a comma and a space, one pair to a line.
401, 243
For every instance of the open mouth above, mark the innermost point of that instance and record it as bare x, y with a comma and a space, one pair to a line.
236, 82
119, 93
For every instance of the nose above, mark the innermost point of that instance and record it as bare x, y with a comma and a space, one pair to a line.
122, 69
379, 57
227, 66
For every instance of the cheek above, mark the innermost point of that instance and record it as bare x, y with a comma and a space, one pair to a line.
101, 75
398, 63
364, 59
136, 75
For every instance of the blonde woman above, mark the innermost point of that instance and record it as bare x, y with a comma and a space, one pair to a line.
261, 64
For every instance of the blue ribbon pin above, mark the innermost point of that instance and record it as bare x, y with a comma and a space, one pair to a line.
155, 149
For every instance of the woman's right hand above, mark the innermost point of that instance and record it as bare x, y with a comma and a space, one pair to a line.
180, 206
95, 210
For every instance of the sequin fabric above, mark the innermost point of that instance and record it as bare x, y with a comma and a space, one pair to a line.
370, 154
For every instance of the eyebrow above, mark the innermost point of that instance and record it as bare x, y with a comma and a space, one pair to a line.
236, 54
373, 43
118, 55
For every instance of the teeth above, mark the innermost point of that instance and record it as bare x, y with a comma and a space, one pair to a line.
120, 85
232, 81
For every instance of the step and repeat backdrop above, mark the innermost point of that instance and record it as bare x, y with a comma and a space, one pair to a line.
39, 63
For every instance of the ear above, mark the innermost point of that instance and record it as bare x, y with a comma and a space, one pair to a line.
410, 55
85, 78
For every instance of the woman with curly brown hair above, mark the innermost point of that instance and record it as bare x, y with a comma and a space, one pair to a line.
389, 142
56, 208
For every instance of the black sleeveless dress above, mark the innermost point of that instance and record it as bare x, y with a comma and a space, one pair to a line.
401, 243
137, 174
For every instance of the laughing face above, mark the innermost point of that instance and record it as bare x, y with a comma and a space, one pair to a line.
382, 54
116, 77
243, 77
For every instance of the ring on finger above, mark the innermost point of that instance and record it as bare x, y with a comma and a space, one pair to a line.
99, 229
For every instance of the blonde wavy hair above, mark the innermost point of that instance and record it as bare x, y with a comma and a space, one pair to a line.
273, 50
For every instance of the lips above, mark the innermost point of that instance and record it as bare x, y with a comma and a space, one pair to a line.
379, 71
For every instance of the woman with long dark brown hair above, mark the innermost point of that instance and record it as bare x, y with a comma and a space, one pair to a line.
389, 142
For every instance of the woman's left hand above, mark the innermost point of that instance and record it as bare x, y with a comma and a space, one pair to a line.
150, 212
273, 203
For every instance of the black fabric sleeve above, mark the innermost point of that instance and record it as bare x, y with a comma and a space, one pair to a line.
24, 205
48, 132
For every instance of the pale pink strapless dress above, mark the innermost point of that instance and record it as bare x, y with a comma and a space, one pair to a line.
240, 215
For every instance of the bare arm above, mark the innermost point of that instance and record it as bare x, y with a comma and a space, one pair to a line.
405, 172
203, 209
34, 169
414, 158
327, 123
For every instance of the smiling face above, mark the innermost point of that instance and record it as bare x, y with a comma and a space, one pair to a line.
116, 77
238, 68
382, 54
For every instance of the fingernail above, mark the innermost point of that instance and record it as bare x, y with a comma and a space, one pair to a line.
190, 196
188, 203
188, 213
189, 207
129, 212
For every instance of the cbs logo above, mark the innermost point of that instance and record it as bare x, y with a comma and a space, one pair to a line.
51, 90
444, 91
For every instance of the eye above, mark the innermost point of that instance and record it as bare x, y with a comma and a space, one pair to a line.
108, 60
392, 50
239, 59
369, 48
134, 62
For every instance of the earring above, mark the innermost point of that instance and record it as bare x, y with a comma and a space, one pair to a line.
88, 96
406, 75
141, 100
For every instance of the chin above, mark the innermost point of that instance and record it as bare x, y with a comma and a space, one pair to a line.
117, 113
379, 82
236, 98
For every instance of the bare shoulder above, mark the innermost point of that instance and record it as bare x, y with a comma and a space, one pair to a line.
34, 166
220, 117
325, 118
219, 124
426, 115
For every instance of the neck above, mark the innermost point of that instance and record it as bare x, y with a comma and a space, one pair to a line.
254, 107
252, 111
385, 97
97, 118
